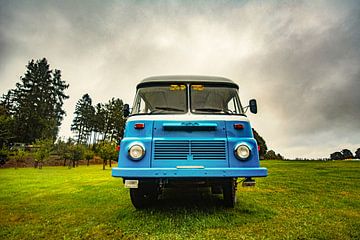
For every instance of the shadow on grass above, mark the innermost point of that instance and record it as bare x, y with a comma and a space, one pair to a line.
195, 198
199, 199
180, 212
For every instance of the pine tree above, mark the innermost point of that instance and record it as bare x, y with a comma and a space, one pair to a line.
103, 121
83, 122
99, 122
6, 126
36, 103
116, 121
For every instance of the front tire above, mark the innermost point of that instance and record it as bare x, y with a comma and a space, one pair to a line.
229, 193
143, 197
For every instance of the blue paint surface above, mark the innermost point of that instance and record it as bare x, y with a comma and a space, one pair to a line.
171, 145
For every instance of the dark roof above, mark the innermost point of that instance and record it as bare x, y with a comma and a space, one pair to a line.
187, 79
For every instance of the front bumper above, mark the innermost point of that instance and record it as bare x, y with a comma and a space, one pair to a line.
175, 172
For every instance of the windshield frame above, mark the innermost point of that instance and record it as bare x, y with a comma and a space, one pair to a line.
188, 99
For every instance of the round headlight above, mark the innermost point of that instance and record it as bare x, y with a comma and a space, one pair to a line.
242, 152
136, 152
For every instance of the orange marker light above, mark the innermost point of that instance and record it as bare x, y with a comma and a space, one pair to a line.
238, 126
139, 125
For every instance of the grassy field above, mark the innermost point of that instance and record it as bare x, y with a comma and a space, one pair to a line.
299, 200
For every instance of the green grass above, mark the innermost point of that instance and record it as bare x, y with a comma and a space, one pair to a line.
299, 200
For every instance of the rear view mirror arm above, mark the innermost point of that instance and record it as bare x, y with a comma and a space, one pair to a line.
245, 109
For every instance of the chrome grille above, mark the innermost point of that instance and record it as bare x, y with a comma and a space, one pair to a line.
207, 150
171, 150
187, 149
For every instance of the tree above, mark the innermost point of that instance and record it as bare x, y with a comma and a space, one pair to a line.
98, 121
4, 156
103, 120
88, 154
77, 154
261, 142
44, 148
36, 103
336, 156
107, 151
357, 153
279, 156
6, 127
347, 154
116, 120
270, 155
83, 122
20, 155
62, 149
7, 102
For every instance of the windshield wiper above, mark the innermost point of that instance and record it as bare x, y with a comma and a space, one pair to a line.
214, 110
209, 109
161, 109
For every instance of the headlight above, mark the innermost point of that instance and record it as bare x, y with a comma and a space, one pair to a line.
136, 152
242, 152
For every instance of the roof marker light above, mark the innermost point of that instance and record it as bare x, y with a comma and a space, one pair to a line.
139, 125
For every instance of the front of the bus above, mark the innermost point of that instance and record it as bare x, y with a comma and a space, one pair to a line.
187, 128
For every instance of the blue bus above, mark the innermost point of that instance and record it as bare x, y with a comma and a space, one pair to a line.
187, 130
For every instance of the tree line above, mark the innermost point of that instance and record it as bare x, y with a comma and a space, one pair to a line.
264, 153
34, 110
31, 114
345, 154
100, 122
67, 152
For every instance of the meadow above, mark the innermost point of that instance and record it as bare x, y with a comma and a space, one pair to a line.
298, 200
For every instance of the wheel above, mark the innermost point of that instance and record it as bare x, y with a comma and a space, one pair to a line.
216, 189
229, 193
143, 197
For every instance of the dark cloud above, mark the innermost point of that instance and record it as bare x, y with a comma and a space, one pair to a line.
300, 59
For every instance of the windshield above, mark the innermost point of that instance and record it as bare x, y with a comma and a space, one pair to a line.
161, 99
173, 99
214, 99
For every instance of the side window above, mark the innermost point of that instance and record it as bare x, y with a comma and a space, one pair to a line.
142, 106
232, 106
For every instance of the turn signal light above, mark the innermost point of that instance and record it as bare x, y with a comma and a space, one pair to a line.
238, 126
139, 125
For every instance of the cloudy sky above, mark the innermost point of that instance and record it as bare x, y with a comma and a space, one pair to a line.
299, 59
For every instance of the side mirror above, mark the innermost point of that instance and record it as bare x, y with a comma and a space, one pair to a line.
253, 106
126, 110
